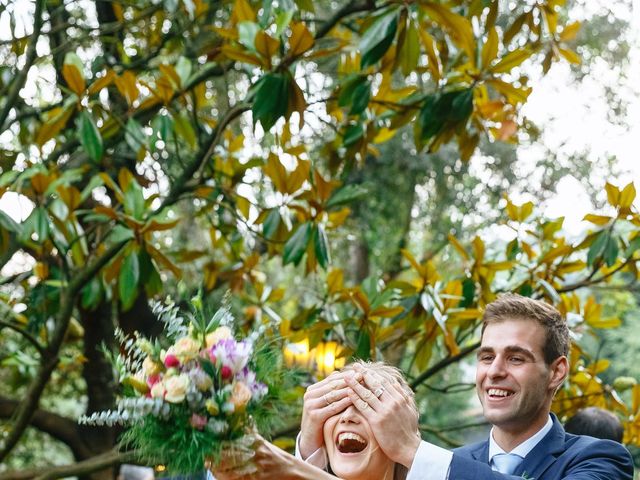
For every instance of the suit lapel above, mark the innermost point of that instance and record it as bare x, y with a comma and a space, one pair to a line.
544, 454
482, 452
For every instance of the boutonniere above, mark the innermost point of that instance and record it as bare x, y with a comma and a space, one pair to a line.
526, 476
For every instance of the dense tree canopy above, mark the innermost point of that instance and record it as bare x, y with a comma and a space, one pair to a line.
165, 148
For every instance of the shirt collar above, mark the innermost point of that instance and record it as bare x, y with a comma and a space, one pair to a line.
525, 447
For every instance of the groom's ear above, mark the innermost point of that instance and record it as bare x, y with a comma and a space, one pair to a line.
559, 370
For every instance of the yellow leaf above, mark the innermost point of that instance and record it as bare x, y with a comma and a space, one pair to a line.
126, 85
266, 45
600, 366
490, 48
102, 82
610, 322
298, 176
498, 266
162, 259
170, 72
74, 78
458, 246
478, 249
458, 27
297, 103
433, 63
56, 121
597, 219
242, 12
570, 56
338, 218
276, 172
386, 312
511, 60
570, 31
613, 194
335, 280
627, 196
235, 53
243, 205
360, 299
514, 95
301, 39
414, 263
384, 134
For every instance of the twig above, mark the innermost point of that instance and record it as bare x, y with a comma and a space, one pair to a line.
33, 340
30, 58
445, 362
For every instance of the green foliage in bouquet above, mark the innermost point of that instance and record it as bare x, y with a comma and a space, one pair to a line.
196, 391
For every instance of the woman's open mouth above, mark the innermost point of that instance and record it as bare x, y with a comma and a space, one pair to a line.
350, 442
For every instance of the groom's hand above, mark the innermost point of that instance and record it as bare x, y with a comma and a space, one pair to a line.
390, 413
322, 400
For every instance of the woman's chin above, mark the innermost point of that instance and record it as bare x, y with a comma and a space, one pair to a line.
351, 466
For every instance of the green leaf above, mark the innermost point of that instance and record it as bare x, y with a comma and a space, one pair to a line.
247, 34
185, 130
134, 135
468, 292
134, 200
9, 224
271, 224
363, 350
551, 292
183, 69
120, 234
410, 53
38, 223
443, 111
296, 245
378, 38
91, 294
597, 247
321, 246
346, 194
128, 280
271, 99
611, 251
633, 246
283, 19
89, 136
356, 91
353, 134
306, 5
149, 276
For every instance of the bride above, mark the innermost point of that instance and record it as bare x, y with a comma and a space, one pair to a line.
336, 437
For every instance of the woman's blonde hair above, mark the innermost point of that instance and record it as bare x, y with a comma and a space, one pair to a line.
390, 374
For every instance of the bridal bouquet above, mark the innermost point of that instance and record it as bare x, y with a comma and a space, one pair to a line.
198, 392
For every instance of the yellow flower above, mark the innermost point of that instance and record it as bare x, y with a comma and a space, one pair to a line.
150, 368
212, 407
185, 349
220, 333
240, 395
176, 388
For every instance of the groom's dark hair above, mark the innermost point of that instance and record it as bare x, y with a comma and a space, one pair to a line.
510, 306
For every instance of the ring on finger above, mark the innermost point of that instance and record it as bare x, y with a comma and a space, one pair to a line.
378, 391
328, 402
366, 395
362, 405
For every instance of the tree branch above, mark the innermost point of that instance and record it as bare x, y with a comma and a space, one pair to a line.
348, 9
99, 462
26, 409
30, 57
445, 362
30, 338
59, 427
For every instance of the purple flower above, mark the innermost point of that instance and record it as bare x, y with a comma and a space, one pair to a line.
258, 389
232, 354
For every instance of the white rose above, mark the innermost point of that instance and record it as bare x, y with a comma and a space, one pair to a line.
185, 349
176, 386
220, 333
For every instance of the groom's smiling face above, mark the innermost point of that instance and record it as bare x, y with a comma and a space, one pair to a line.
514, 383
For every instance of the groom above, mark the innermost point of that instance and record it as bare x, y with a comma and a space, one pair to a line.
522, 361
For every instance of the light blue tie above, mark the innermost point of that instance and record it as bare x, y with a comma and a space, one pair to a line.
507, 462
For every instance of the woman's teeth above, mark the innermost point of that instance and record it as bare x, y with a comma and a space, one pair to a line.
349, 442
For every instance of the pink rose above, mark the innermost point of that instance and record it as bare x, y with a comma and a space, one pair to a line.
226, 372
198, 421
171, 360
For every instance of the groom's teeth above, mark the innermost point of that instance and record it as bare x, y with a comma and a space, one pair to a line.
350, 442
495, 392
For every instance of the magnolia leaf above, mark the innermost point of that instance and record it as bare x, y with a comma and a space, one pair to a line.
511, 60
490, 48
346, 194
627, 196
377, 39
352, 134
301, 40
271, 224
613, 194
570, 56
89, 136
410, 52
321, 246
569, 32
128, 280
599, 220
597, 247
297, 244
271, 99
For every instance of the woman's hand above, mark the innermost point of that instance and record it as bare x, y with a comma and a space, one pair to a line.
322, 400
389, 411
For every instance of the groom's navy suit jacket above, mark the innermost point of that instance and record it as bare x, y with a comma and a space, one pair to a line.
558, 456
